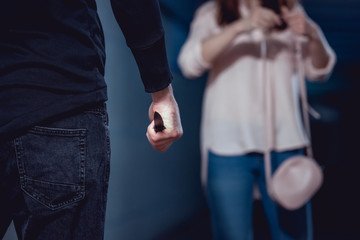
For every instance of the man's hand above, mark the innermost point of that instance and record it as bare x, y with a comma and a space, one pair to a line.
165, 104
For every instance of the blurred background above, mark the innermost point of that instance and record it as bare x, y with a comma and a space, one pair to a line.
158, 196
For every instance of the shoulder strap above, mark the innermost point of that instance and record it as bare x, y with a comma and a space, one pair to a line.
303, 94
269, 114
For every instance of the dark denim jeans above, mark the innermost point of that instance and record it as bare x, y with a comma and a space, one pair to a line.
54, 178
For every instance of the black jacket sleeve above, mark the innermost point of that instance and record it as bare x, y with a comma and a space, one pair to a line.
141, 24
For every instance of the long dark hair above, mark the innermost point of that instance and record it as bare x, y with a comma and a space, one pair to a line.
228, 10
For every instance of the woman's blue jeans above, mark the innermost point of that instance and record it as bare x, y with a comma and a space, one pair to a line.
54, 178
230, 188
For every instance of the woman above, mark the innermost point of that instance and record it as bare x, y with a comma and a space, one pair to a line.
227, 37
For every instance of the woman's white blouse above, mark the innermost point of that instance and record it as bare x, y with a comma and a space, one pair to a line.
233, 105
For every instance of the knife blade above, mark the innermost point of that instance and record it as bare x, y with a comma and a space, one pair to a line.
158, 122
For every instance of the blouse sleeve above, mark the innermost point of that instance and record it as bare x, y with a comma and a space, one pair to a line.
311, 72
190, 58
320, 74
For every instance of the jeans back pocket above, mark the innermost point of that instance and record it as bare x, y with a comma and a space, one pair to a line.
51, 163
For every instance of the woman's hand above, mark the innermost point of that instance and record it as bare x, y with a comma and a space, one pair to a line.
262, 18
299, 23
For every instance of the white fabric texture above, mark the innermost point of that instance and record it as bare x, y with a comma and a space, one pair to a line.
233, 104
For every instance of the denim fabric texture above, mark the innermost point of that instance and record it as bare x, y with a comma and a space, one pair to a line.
54, 178
229, 193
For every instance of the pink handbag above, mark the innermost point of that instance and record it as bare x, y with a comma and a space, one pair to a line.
298, 178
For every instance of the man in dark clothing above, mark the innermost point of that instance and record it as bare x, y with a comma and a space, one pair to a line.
54, 142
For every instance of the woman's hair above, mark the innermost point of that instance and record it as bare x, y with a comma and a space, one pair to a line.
228, 10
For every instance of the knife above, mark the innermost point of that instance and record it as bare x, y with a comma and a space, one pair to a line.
158, 122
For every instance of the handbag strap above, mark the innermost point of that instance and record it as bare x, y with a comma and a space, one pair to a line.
269, 113
303, 94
